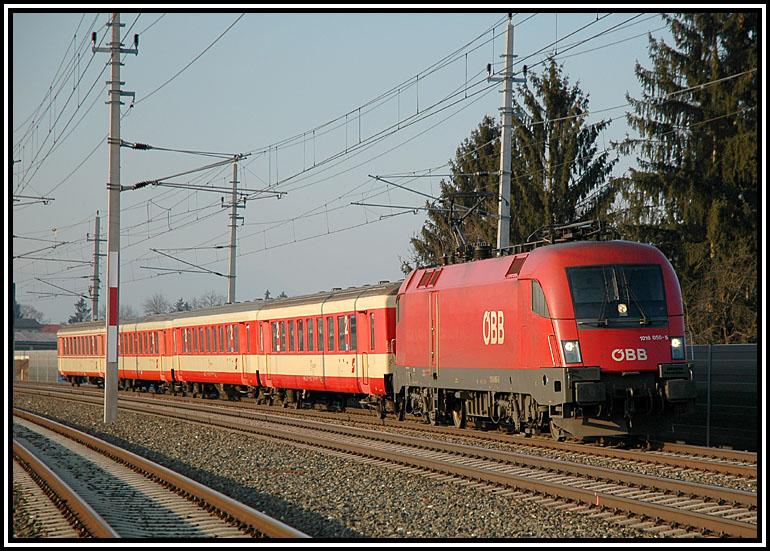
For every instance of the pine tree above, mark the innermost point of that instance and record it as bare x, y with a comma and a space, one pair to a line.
695, 191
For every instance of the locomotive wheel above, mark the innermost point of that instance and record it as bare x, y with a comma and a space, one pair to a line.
460, 414
431, 418
556, 433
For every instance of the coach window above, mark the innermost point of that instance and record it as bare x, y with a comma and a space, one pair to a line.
221, 338
208, 339
330, 333
274, 331
151, 342
291, 335
539, 306
320, 327
353, 337
342, 331
200, 340
371, 331
236, 347
283, 336
310, 335
300, 336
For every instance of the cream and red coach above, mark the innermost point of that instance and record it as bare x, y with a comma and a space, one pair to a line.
329, 346
585, 338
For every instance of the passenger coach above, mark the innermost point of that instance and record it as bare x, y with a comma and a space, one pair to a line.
329, 347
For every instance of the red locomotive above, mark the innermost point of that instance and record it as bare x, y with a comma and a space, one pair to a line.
583, 339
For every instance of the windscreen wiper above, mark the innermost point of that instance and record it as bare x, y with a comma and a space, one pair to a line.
630, 293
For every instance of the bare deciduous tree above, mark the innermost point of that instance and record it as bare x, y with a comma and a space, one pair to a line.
156, 304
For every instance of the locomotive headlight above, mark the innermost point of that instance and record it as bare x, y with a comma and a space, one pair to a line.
571, 351
677, 348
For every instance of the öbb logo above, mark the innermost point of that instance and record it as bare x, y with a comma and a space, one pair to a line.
493, 328
630, 354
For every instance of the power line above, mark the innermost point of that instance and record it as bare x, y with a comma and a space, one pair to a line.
183, 69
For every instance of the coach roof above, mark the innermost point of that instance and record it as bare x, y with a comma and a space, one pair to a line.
253, 305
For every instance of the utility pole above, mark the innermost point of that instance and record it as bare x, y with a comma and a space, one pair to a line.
113, 214
233, 219
504, 199
96, 280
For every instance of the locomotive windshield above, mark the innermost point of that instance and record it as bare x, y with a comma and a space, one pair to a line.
618, 295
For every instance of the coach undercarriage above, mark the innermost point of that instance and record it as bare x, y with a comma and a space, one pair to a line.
285, 397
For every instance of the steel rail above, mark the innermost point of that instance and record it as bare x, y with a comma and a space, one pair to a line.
92, 521
592, 497
665, 513
244, 514
691, 461
718, 453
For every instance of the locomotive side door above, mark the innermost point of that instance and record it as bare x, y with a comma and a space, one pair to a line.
433, 322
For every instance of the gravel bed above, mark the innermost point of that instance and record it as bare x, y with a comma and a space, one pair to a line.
25, 524
323, 495
650, 469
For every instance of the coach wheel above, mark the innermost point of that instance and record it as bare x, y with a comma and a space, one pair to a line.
381, 409
459, 414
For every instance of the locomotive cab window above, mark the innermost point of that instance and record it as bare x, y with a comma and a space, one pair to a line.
620, 295
539, 305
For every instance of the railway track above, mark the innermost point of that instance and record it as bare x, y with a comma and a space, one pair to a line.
677, 457
113, 493
668, 506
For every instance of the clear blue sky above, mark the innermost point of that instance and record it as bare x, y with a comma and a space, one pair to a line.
270, 77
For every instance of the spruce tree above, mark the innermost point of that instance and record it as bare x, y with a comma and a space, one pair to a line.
694, 193
82, 312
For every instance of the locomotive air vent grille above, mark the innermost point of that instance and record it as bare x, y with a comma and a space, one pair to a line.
429, 278
515, 266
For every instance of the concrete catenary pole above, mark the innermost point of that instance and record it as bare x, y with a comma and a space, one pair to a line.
504, 201
233, 220
113, 216
95, 283
506, 111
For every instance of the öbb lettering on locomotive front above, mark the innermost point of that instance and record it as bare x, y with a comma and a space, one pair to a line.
629, 354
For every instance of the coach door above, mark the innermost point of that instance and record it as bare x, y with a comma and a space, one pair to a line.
433, 321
